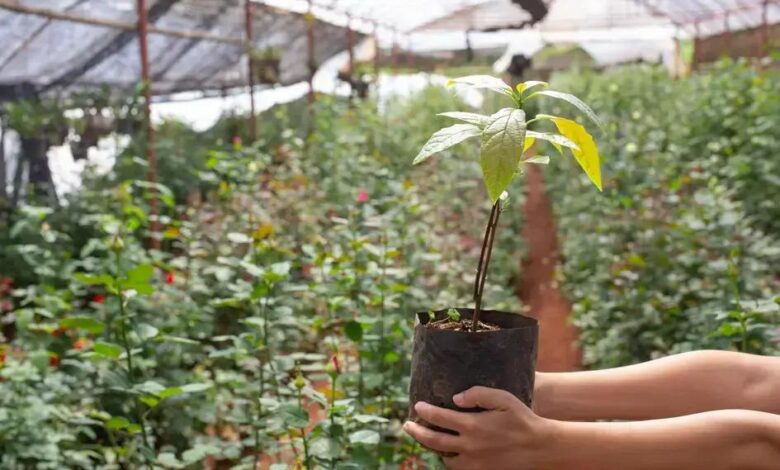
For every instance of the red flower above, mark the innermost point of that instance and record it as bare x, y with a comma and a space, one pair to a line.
335, 360
6, 306
54, 360
2, 357
58, 332
169, 278
80, 344
362, 197
99, 299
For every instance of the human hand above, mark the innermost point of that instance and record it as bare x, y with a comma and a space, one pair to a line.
507, 435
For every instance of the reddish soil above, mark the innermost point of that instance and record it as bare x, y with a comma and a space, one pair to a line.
538, 289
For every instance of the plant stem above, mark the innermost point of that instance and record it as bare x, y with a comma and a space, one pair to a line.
128, 350
332, 416
482, 252
484, 262
303, 434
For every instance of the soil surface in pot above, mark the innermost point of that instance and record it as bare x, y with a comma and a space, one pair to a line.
462, 325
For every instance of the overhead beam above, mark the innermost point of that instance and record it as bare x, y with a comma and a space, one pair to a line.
11, 5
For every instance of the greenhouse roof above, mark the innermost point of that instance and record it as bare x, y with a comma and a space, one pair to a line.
51, 45
193, 44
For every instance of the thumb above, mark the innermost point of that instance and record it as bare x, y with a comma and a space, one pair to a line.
484, 397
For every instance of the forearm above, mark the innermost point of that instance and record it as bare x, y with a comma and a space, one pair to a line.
674, 386
718, 440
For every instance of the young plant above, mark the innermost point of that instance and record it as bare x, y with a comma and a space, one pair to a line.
505, 142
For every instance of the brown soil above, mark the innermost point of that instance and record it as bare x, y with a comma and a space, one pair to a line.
463, 325
538, 289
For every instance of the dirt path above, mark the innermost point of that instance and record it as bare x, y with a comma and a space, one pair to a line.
538, 289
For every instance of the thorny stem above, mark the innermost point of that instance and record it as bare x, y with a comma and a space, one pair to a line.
303, 434
332, 414
484, 262
128, 351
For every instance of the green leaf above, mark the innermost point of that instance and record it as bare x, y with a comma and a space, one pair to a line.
170, 392
444, 139
149, 401
479, 120
556, 140
502, 147
109, 350
538, 159
525, 86
354, 331
83, 323
140, 274
168, 459
483, 81
573, 100
94, 280
293, 416
238, 238
587, 155
198, 453
364, 436
453, 314
195, 388
117, 422
146, 331
365, 419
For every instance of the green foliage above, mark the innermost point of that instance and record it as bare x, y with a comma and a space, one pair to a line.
281, 274
504, 134
688, 195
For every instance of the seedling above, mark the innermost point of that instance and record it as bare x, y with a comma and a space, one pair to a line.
505, 142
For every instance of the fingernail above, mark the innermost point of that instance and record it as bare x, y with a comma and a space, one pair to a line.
457, 398
420, 405
406, 426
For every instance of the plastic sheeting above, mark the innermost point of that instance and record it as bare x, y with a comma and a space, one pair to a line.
42, 54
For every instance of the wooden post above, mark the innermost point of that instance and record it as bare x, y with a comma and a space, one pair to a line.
310, 49
727, 33
248, 21
151, 156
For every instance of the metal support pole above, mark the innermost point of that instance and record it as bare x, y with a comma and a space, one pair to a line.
350, 47
409, 54
249, 20
377, 51
310, 48
395, 51
765, 28
696, 49
151, 156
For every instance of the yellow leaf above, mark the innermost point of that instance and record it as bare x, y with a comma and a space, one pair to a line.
587, 155
263, 231
529, 141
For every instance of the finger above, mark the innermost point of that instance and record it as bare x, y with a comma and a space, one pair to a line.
442, 417
484, 397
437, 441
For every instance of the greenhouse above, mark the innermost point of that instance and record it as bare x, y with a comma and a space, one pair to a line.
360, 234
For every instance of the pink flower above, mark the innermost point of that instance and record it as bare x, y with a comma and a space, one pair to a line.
362, 197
